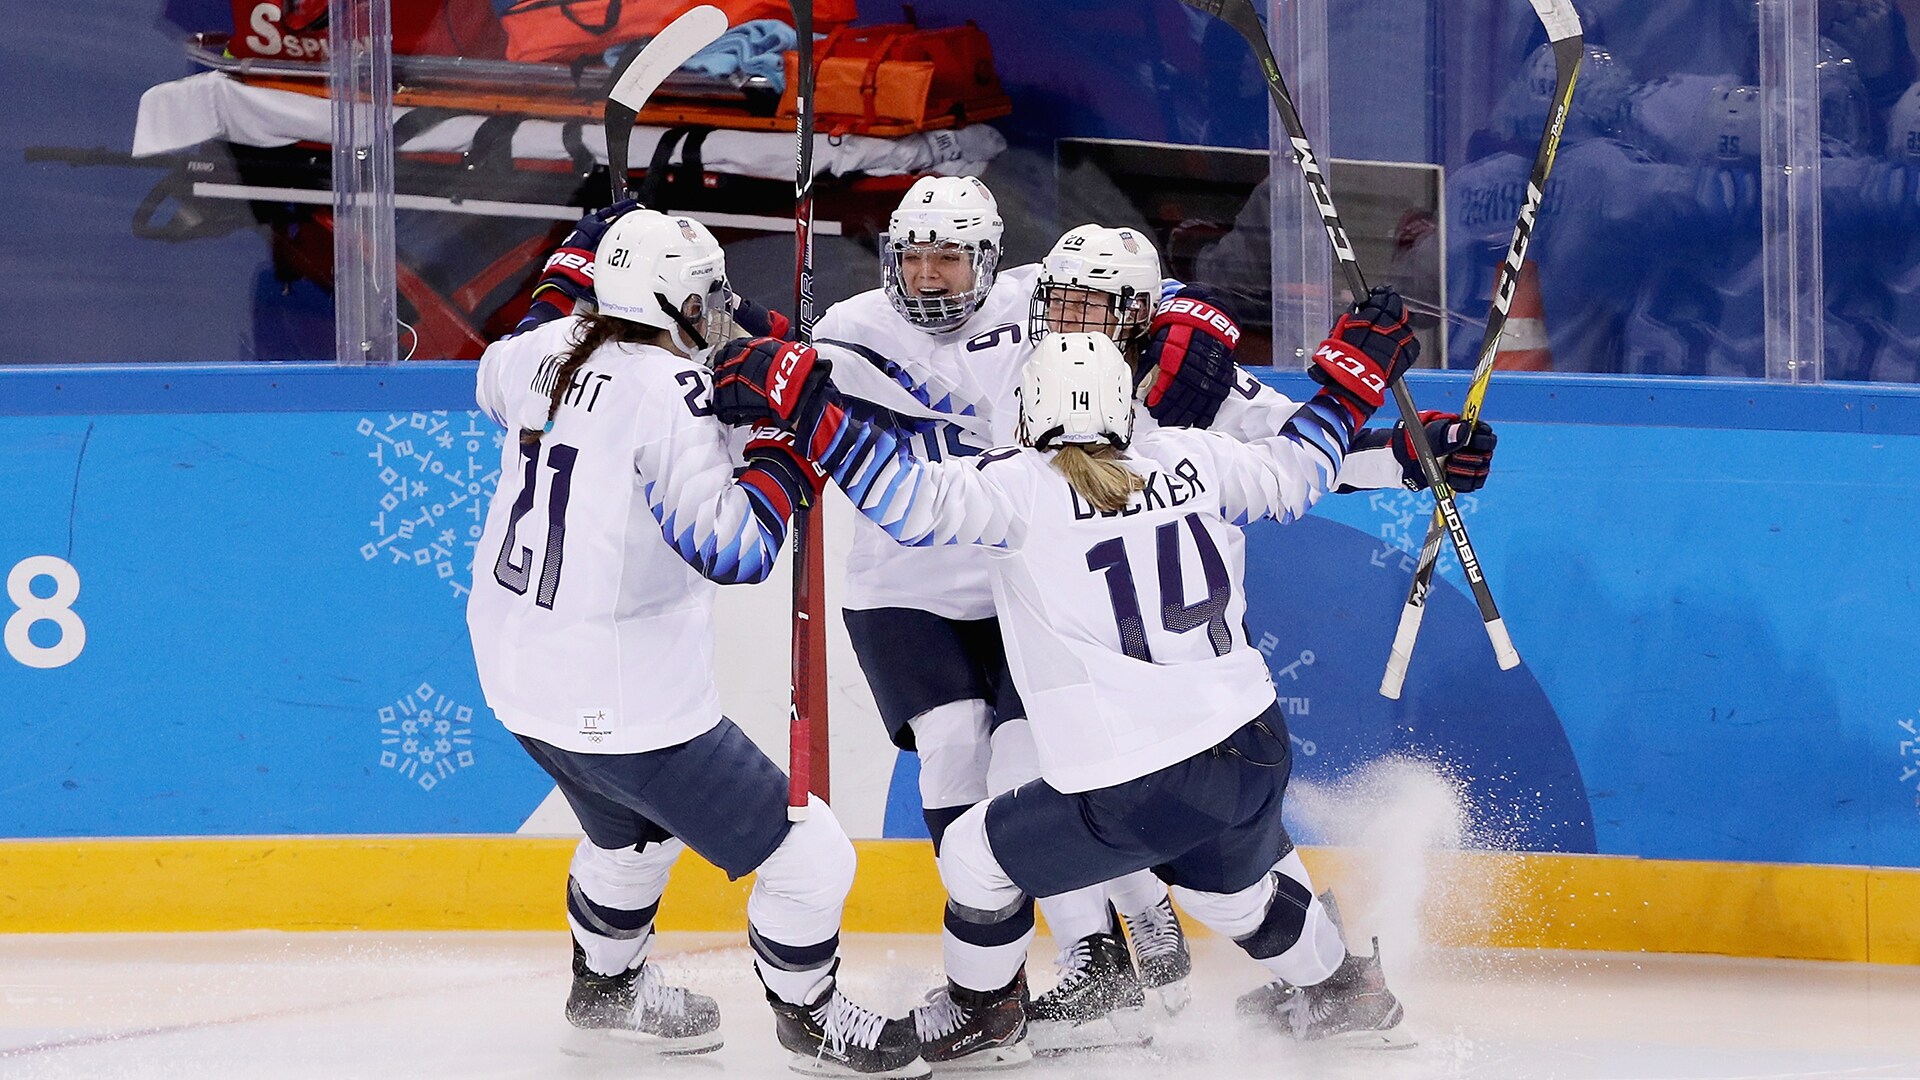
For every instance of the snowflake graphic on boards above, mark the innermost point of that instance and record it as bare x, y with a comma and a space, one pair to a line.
1403, 528
1910, 755
1296, 706
426, 737
437, 471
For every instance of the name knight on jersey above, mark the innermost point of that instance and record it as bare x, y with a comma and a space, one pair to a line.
583, 380
1162, 491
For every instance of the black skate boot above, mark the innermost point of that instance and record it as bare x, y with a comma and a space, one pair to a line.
975, 1029
1098, 1001
835, 1037
1353, 1005
1160, 952
636, 1007
1271, 1003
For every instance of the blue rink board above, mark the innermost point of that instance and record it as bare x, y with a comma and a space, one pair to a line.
1711, 585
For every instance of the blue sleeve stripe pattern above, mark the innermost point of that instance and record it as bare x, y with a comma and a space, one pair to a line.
944, 403
744, 557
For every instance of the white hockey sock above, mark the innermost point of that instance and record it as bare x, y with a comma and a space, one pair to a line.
989, 921
1135, 894
952, 742
1077, 914
800, 891
612, 896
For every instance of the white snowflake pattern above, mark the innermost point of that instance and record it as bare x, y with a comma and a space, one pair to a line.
438, 471
1404, 528
1299, 705
426, 737
1910, 756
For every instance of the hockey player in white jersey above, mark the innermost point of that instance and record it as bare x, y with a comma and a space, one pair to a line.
1160, 742
618, 510
940, 345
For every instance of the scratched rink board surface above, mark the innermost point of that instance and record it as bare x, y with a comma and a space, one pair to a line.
241, 612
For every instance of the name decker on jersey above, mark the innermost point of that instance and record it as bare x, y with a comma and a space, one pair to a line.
1164, 490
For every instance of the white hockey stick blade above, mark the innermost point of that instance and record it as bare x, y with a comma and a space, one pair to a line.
1558, 16
671, 47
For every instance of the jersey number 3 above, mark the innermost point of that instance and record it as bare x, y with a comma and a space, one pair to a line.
517, 576
1176, 615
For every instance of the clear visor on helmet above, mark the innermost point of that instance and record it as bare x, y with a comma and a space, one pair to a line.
706, 315
1070, 309
936, 286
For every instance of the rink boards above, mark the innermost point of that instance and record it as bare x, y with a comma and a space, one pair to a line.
255, 632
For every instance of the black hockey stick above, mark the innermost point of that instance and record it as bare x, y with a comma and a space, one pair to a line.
641, 73
1240, 15
806, 763
1564, 32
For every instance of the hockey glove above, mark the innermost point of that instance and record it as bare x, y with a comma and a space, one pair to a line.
567, 278
779, 474
1368, 349
754, 320
1466, 454
767, 381
1189, 359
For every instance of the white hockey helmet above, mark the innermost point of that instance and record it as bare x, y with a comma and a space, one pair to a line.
665, 271
1903, 128
950, 213
1076, 388
1097, 280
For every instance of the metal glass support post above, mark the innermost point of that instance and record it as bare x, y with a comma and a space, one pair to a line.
1303, 289
360, 37
1790, 224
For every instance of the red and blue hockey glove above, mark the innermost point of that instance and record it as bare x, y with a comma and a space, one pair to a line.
779, 473
567, 277
1368, 349
1189, 356
768, 381
756, 321
1465, 452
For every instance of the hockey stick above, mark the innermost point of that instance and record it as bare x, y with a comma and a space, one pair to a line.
1239, 15
807, 763
642, 72
1564, 32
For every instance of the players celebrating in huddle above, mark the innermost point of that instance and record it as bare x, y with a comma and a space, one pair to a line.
1089, 734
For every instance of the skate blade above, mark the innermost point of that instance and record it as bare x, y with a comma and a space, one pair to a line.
1174, 997
819, 1066
1121, 1027
1396, 1037
999, 1057
618, 1043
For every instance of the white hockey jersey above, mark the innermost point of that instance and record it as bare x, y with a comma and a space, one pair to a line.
593, 582
1123, 630
954, 393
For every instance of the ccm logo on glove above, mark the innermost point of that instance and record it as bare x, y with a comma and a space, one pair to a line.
790, 369
1203, 313
1361, 371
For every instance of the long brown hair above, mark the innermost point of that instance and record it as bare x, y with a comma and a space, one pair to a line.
1097, 475
594, 331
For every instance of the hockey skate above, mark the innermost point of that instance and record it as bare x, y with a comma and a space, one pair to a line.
1098, 1001
975, 1029
835, 1037
1160, 953
1352, 1006
636, 1007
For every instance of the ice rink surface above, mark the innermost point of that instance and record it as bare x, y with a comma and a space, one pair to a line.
269, 1004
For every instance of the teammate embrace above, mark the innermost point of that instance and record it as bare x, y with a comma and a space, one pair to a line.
1144, 744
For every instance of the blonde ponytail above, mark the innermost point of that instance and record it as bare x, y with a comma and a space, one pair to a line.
1097, 476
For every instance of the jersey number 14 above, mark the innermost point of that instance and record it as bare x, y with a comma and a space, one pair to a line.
1176, 615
